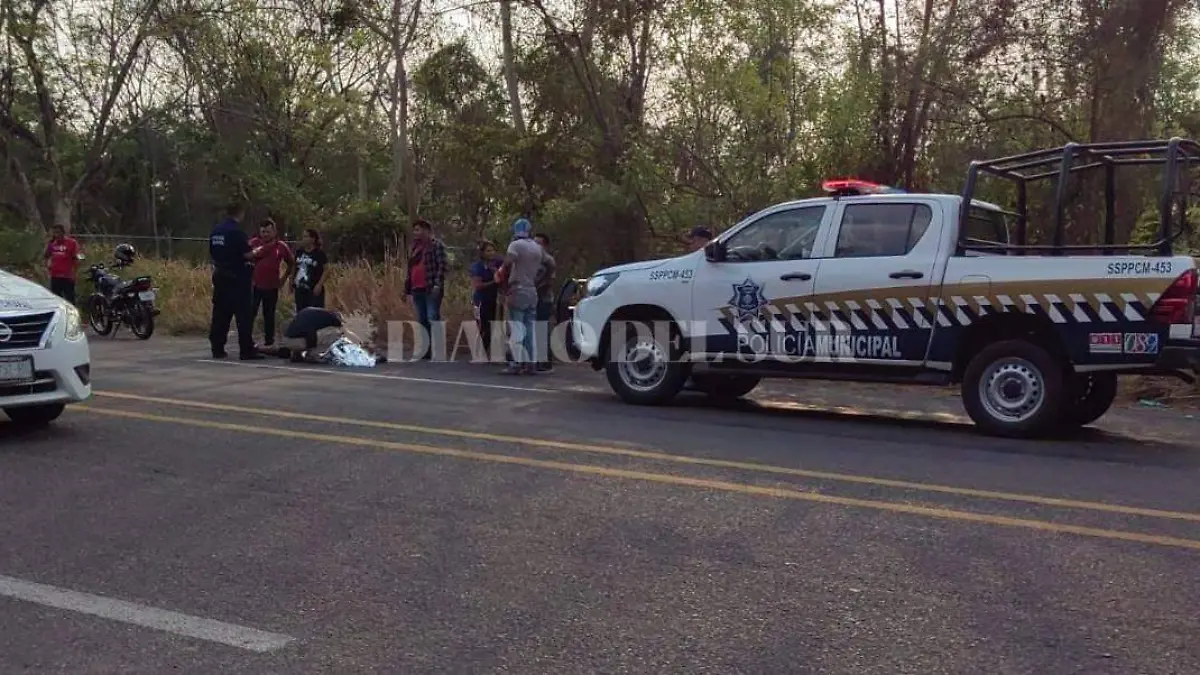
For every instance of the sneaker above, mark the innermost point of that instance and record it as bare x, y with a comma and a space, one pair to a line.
220, 354
512, 370
545, 368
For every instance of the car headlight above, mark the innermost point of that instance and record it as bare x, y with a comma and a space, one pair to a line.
597, 284
74, 322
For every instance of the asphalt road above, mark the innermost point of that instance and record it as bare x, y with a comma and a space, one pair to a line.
440, 518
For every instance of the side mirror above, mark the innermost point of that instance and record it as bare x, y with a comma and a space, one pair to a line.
714, 251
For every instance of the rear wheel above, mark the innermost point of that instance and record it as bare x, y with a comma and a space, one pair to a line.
1015, 389
1090, 396
725, 387
34, 416
99, 315
141, 321
647, 368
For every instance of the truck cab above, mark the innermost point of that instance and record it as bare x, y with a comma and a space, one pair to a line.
873, 284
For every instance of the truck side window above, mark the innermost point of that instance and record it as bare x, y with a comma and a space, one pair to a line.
785, 235
880, 230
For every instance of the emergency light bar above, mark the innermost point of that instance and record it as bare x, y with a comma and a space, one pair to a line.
850, 187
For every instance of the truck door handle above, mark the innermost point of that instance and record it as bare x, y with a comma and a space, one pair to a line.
906, 274
796, 276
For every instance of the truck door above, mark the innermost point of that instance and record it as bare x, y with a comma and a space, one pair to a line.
872, 291
752, 299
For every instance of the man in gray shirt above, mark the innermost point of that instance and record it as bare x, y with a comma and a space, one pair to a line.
520, 270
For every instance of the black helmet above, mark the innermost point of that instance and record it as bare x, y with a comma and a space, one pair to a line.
125, 253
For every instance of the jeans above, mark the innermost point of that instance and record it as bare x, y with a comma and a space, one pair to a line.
305, 298
544, 310
429, 311
487, 317
521, 327
63, 288
268, 298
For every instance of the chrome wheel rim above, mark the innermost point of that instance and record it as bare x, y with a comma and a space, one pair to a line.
644, 366
1012, 390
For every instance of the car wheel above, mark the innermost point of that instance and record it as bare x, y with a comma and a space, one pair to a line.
35, 416
725, 387
1014, 389
1091, 395
647, 369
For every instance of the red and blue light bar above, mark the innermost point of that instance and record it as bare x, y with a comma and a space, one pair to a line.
850, 187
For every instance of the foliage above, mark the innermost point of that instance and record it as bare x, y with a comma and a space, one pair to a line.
632, 122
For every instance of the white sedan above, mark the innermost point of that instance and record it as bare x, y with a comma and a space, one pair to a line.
45, 363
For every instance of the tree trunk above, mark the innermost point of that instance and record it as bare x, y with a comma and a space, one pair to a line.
510, 67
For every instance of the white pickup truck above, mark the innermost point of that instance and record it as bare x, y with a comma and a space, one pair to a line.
873, 285
44, 357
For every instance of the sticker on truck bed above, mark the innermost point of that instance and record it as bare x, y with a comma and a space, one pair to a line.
1125, 267
1104, 343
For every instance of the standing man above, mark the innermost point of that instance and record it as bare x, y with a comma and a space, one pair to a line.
426, 278
545, 303
61, 258
698, 238
269, 255
520, 270
229, 249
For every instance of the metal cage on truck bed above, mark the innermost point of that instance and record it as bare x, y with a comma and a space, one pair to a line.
1177, 156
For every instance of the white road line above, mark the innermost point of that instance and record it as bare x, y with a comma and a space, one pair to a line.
430, 380
230, 634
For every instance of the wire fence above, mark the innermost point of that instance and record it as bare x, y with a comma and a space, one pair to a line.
195, 249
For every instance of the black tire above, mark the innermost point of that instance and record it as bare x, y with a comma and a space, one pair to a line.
141, 322
1033, 390
99, 317
1091, 395
35, 416
724, 387
669, 377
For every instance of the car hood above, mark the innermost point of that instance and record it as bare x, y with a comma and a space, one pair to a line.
643, 265
20, 293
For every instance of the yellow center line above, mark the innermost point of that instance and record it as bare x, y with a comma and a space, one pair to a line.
665, 457
666, 479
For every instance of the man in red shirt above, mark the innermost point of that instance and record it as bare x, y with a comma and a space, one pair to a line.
269, 255
62, 257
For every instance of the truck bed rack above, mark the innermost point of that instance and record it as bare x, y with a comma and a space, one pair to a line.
1177, 156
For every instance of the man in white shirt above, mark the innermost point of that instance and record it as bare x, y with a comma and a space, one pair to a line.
520, 270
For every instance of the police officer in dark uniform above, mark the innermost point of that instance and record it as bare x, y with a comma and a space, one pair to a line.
229, 248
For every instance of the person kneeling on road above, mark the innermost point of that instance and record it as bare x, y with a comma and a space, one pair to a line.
301, 333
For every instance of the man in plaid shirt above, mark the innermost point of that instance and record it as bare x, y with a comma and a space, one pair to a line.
425, 283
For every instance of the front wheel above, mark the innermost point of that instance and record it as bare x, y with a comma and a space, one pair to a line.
646, 368
34, 416
141, 322
725, 387
1014, 389
99, 315
1091, 395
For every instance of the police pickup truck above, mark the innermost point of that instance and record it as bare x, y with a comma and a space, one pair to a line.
873, 284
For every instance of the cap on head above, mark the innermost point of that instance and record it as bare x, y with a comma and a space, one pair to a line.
522, 228
701, 233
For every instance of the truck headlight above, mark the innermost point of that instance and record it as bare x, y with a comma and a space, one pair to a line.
597, 284
74, 322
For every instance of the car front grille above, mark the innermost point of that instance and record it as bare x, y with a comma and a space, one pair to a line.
23, 331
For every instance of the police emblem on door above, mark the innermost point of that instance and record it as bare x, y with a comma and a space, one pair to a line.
747, 299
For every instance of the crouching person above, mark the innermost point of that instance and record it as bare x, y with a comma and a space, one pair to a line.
301, 334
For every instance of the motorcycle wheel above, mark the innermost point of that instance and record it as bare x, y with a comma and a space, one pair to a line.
141, 322
99, 317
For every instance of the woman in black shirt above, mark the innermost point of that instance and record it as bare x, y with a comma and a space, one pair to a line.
309, 286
